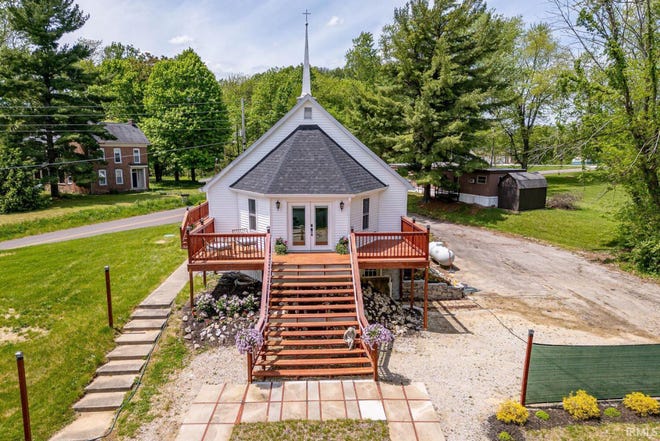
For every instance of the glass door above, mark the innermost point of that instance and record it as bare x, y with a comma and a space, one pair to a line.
298, 224
320, 226
310, 227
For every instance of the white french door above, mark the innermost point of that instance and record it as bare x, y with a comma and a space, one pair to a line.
309, 226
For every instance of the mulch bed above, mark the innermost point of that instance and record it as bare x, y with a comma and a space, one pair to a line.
560, 418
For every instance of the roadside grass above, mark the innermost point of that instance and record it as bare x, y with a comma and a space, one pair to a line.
305, 430
605, 432
53, 309
77, 210
592, 227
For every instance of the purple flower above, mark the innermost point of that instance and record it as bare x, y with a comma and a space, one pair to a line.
377, 335
248, 340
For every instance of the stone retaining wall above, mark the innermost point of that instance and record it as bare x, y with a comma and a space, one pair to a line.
437, 291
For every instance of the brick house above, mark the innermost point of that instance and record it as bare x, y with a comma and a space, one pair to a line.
126, 166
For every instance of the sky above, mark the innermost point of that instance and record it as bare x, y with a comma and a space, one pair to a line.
250, 36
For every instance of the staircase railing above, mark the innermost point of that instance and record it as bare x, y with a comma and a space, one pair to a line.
265, 303
359, 306
190, 218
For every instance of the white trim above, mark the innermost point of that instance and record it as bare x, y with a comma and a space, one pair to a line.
307, 196
114, 155
119, 176
103, 172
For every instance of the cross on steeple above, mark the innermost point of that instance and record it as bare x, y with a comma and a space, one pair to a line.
306, 14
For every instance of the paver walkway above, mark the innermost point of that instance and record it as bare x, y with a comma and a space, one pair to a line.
408, 409
116, 378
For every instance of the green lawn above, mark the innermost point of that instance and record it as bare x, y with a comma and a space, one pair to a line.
591, 227
53, 299
77, 210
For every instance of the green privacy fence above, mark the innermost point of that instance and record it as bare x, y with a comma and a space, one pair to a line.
606, 372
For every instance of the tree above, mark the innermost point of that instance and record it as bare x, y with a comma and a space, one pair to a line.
537, 64
45, 88
187, 118
362, 60
616, 94
443, 63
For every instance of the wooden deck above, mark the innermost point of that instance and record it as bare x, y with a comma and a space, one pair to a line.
312, 259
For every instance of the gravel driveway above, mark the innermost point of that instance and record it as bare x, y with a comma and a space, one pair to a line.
472, 355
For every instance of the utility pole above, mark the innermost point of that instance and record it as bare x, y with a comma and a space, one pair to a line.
243, 124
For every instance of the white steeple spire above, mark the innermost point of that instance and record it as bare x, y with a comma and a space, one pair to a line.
306, 79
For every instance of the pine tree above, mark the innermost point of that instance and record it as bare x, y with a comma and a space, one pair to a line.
441, 64
45, 88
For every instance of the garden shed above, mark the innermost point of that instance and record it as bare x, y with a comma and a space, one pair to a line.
522, 191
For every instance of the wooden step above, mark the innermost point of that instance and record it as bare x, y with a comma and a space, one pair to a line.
276, 292
314, 333
308, 342
311, 299
295, 277
286, 270
321, 324
313, 361
301, 352
311, 284
331, 372
329, 307
310, 315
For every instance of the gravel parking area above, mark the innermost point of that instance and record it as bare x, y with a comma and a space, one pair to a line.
472, 355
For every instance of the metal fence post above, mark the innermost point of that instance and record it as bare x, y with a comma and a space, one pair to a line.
528, 356
27, 431
108, 295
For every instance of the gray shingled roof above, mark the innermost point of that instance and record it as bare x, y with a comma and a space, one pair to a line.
125, 133
529, 180
308, 161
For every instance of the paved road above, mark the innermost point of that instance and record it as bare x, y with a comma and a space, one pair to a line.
131, 223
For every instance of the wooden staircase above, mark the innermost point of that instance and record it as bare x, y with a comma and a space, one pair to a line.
311, 306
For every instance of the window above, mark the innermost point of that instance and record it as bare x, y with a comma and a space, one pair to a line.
103, 177
119, 176
481, 179
252, 209
371, 273
365, 214
308, 113
136, 156
117, 156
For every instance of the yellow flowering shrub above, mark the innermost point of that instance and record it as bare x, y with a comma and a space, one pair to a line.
511, 411
581, 405
641, 404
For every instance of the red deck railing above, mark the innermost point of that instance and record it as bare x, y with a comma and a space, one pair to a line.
209, 246
411, 243
192, 216
359, 304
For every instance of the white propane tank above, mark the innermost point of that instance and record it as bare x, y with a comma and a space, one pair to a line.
441, 254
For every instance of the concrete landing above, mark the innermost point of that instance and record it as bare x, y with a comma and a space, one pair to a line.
87, 426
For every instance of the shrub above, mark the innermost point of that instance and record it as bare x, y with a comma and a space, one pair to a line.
646, 255
342, 246
511, 411
612, 412
542, 415
581, 405
504, 436
641, 404
248, 339
206, 304
280, 246
563, 201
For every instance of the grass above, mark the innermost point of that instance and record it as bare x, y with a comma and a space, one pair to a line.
303, 430
605, 432
77, 210
54, 298
592, 227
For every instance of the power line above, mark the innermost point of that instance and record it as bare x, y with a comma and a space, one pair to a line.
81, 161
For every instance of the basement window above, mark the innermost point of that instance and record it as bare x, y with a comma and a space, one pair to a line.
308, 113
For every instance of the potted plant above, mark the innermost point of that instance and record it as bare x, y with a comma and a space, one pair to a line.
280, 246
342, 246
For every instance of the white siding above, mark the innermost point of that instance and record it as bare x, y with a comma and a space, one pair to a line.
375, 213
342, 219
263, 213
278, 225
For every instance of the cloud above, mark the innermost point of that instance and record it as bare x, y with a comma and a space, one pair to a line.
335, 21
181, 39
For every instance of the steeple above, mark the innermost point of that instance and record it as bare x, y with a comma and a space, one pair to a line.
306, 79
